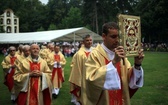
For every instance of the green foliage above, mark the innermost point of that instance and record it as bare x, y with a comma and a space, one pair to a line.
52, 27
73, 19
154, 19
56, 11
40, 29
91, 13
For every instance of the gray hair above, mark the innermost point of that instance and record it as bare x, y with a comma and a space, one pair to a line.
86, 36
11, 47
26, 47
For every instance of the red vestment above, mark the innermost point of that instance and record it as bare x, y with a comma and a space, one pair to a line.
9, 82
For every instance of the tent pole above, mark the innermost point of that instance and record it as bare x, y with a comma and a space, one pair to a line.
74, 40
92, 34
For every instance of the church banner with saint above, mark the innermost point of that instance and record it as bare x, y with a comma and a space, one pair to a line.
130, 33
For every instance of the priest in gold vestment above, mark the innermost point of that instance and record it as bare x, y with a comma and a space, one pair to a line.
33, 80
56, 62
110, 79
8, 65
45, 51
19, 50
26, 53
77, 83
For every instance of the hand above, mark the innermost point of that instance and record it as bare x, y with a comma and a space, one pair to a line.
13, 66
35, 73
76, 86
138, 59
119, 53
58, 64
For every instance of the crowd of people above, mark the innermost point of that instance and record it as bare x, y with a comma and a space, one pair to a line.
69, 49
100, 75
162, 47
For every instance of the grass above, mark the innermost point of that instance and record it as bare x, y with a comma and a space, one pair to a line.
154, 91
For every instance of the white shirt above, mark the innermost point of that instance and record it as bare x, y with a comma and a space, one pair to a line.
88, 49
112, 80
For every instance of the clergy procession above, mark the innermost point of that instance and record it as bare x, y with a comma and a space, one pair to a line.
33, 75
99, 75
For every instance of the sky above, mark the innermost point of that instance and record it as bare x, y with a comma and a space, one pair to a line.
44, 1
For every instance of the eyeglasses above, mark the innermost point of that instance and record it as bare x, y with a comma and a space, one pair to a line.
12, 50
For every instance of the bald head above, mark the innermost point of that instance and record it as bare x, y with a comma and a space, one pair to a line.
34, 50
34, 45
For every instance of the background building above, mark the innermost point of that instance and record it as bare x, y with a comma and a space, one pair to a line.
9, 21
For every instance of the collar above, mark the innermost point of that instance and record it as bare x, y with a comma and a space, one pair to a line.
109, 52
35, 60
88, 49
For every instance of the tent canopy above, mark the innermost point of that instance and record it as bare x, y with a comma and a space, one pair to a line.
73, 34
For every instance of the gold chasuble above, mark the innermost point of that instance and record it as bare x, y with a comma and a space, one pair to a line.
19, 59
76, 78
33, 90
58, 70
95, 78
57, 73
9, 72
44, 53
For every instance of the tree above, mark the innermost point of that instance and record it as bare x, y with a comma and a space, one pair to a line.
73, 19
97, 12
56, 11
33, 15
52, 27
40, 29
153, 15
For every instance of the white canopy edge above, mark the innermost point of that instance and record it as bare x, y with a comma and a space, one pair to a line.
69, 35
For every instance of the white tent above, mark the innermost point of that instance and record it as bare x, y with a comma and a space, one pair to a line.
73, 34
